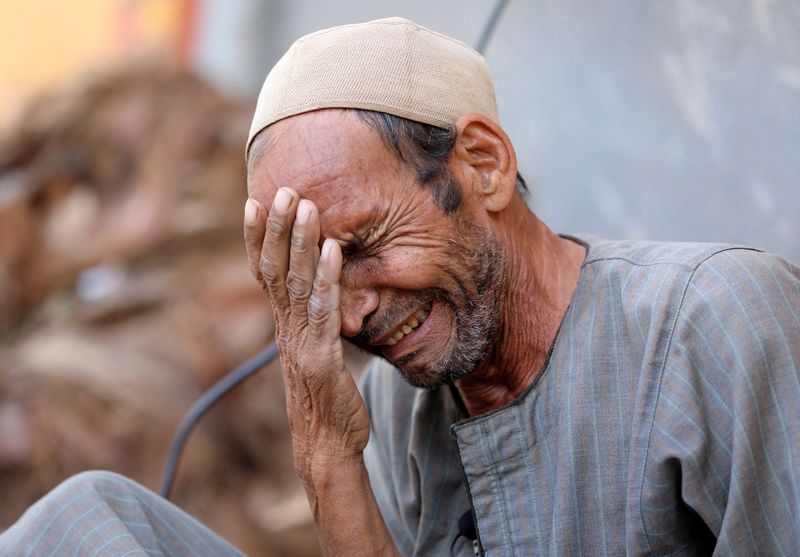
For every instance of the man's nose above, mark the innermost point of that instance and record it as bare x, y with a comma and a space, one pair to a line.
356, 305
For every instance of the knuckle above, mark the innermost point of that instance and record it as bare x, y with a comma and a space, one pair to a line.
251, 234
271, 286
322, 286
299, 242
297, 286
271, 282
318, 310
276, 226
283, 337
269, 269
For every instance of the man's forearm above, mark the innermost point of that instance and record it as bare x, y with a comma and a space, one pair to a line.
345, 511
329, 422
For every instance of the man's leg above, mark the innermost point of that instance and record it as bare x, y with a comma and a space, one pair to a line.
101, 513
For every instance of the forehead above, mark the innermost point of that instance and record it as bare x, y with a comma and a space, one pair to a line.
327, 156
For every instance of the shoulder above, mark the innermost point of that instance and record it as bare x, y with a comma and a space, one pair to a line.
687, 255
645, 283
745, 278
739, 299
691, 275
739, 322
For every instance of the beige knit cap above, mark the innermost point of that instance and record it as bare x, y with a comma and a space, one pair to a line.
388, 65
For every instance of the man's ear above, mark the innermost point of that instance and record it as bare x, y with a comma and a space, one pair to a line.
486, 160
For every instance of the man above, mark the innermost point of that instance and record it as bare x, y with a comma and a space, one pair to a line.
540, 394
578, 396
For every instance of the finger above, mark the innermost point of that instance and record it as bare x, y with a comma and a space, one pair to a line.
274, 259
324, 314
303, 257
254, 224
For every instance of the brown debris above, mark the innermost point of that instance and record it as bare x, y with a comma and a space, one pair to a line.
124, 293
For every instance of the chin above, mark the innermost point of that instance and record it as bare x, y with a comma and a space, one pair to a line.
430, 376
425, 380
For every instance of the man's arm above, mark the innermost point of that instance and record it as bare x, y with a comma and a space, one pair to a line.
329, 422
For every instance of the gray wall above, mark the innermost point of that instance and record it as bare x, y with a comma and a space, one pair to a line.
668, 120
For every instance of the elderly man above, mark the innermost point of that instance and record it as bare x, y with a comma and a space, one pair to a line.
535, 393
573, 395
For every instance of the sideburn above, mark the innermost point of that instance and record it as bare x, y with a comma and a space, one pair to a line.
437, 178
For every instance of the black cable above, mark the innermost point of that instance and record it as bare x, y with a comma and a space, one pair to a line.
199, 408
491, 24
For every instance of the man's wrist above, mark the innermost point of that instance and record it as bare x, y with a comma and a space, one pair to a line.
326, 471
344, 508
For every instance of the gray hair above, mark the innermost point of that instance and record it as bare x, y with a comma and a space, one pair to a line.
424, 146
427, 148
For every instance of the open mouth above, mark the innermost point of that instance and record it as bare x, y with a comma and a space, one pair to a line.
412, 323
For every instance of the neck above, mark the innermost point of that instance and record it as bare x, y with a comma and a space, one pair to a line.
542, 272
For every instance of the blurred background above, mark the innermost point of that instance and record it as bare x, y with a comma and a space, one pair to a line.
124, 289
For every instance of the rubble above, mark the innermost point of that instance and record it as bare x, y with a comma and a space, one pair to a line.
124, 293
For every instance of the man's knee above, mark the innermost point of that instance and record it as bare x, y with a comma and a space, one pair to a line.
84, 490
67, 516
100, 482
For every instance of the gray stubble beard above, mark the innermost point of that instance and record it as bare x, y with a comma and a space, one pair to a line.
477, 321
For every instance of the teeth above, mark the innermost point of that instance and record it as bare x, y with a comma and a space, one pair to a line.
414, 322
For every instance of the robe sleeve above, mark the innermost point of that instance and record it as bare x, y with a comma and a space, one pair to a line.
724, 451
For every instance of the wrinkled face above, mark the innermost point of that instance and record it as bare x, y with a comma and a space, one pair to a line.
420, 288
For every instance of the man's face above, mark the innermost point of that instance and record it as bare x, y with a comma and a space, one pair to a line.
420, 288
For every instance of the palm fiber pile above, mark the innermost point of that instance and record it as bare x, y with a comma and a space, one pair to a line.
124, 293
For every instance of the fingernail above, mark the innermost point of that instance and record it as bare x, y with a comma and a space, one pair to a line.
250, 212
327, 248
282, 200
303, 211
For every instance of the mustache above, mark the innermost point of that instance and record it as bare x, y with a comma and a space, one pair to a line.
380, 322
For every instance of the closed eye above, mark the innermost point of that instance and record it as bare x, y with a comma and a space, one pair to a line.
353, 248
363, 245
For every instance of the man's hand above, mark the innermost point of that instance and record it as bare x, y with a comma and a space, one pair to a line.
327, 416
329, 422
